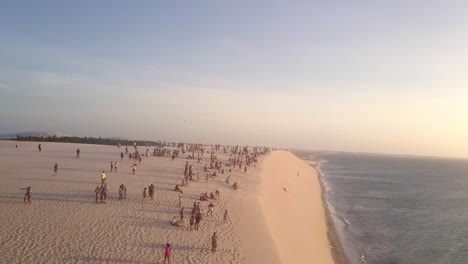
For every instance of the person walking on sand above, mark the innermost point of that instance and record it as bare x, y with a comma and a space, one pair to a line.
144, 193
167, 254
98, 192
39, 147
112, 166
214, 242
27, 195
180, 199
55, 169
225, 215
78, 152
103, 177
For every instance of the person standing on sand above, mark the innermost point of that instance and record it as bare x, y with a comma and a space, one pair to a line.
192, 222
180, 199
78, 152
98, 192
167, 254
55, 169
245, 169
181, 214
112, 166
225, 215
27, 195
151, 191
134, 168
103, 177
214, 242
121, 155
104, 193
116, 165
39, 147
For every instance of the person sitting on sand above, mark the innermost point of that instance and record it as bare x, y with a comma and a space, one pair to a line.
202, 197
27, 194
213, 174
214, 242
178, 189
55, 169
174, 222
235, 186
167, 254
228, 178
210, 209
98, 192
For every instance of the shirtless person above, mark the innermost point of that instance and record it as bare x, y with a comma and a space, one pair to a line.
55, 169
225, 215
214, 242
78, 152
27, 195
98, 192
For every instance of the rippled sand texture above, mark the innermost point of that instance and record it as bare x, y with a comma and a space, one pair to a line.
63, 224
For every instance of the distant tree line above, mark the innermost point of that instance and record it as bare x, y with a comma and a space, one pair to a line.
91, 140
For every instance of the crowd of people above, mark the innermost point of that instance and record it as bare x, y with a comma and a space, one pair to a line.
238, 157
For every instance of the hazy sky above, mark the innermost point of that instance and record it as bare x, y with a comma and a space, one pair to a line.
376, 76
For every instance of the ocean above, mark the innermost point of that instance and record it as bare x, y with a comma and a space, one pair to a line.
400, 209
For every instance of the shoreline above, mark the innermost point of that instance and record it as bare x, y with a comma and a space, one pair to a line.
283, 217
337, 250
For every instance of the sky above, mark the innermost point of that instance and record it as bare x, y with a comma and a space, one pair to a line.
364, 76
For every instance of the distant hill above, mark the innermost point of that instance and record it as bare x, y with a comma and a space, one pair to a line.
32, 134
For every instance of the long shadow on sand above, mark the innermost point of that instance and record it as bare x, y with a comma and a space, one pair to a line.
55, 180
149, 222
89, 259
52, 197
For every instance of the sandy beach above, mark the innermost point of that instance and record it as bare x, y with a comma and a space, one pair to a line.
277, 216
